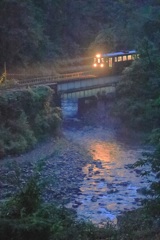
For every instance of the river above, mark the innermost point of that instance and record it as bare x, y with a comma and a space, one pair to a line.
110, 186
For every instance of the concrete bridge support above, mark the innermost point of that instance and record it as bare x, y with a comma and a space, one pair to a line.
85, 103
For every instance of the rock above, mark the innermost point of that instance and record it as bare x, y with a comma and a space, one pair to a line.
138, 171
90, 175
119, 199
125, 184
128, 166
102, 180
90, 169
98, 164
99, 212
137, 200
94, 199
102, 204
112, 191
142, 190
109, 185
77, 203
101, 195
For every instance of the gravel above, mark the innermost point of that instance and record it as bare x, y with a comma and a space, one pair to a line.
61, 175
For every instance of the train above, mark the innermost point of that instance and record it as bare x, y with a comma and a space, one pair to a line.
113, 62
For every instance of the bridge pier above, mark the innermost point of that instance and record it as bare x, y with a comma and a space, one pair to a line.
85, 103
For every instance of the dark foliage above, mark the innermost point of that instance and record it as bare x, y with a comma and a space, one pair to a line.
25, 117
33, 31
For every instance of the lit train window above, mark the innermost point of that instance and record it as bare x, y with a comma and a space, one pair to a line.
129, 57
115, 59
99, 60
110, 62
102, 60
119, 58
124, 58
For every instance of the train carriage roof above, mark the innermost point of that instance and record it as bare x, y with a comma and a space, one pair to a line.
118, 53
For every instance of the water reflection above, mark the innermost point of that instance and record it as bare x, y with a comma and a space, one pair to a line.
105, 151
109, 186
69, 108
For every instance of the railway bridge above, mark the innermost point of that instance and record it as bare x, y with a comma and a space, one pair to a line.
67, 86
80, 86
86, 90
87, 87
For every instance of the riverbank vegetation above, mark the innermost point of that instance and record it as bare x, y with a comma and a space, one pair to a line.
25, 217
137, 104
26, 116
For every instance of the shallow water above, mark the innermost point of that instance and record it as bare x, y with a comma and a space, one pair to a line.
109, 187
69, 108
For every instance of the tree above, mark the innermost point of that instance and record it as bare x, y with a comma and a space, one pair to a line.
21, 32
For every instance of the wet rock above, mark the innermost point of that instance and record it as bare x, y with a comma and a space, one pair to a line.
119, 199
102, 180
94, 199
126, 209
98, 164
128, 166
124, 184
90, 169
99, 212
112, 191
90, 175
102, 204
97, 180
138, 171
75, 205
3, 185
78, 203
109, 185
142, 190
96, 172
101, 195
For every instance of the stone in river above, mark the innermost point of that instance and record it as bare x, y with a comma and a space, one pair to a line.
94, 199
112, 191
102, 179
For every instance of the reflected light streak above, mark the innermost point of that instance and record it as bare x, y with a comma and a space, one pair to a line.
106, 152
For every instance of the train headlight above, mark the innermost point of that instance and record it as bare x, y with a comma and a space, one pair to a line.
98, 55
94, 65
102, 65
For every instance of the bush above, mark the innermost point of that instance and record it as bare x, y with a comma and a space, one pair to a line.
25, 117
25, 217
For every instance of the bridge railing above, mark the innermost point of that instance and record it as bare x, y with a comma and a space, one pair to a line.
27, 80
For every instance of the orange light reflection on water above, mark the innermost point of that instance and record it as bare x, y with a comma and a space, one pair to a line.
106, 151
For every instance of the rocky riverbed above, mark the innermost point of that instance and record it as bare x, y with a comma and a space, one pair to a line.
88, 169
110, 187
61, 172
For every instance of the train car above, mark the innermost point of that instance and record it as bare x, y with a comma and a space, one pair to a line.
113, 62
